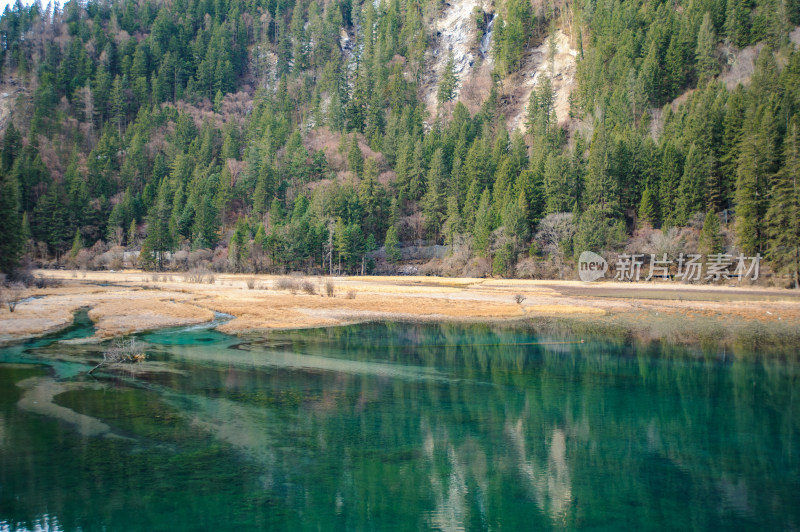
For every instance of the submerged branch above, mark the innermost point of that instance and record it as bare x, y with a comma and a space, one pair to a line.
121, 352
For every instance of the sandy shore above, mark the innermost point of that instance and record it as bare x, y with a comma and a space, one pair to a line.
130, 301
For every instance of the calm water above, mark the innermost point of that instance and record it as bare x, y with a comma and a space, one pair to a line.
398, 427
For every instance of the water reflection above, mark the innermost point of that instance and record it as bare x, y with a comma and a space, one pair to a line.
400, 426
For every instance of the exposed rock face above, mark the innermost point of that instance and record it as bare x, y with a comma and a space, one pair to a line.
455, 31
537, 64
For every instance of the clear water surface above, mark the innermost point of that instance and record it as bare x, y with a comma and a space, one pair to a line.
397, 427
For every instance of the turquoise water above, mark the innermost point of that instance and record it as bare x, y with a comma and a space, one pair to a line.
398, 427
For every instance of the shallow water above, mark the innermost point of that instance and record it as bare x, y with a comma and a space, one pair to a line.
398, 427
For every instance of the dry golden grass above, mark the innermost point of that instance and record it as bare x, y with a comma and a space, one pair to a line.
133, 301
563, 310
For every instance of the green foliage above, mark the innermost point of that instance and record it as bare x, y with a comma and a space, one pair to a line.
77, 244
145, 146
647, 209
448, 84
10, 223
783, 215
484, 225
711, 241
392, 243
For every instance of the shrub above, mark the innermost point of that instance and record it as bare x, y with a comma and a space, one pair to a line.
286, 283
330, 289
11, 295
251, 283
351, 294
197, 275
519, 298
309, 288
44, 282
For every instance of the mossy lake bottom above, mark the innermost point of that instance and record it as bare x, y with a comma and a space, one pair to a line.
392, 426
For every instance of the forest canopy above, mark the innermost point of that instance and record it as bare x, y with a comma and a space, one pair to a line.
274, 135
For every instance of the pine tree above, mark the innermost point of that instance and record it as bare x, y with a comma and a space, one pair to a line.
737, 22
132, 234
748, 203
238, 247
557, 193
452, 222
10, 223
692, 189
391, 245
515, 218
448, 85
12, 147
52, 219
711, 242
756, 164
354, 157
671, 170
77, 244
416, 173
602, 187
370, 195
783, 215
647, 209
707, 64
433, 203
483, 225
159, 239
224, 193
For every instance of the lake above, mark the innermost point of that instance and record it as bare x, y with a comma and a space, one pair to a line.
397, 426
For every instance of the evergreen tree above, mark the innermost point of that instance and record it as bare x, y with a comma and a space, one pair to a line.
391, 245
238, 247
671, 170
354, 157
52, 219
755, 166
711, 242
559, 197
159, 239
483, 225
10, 222
783, 215
452, 223
647, 209
77, 244
707, 64
692, 189
448, 84
132, 234
433, 203
602, 186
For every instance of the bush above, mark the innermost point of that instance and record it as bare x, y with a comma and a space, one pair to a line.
309, 288
44, 282
286, 283
251, 283
330, 289
11, 295
527, 268
198, 275
200, 258
519, 298
351, 294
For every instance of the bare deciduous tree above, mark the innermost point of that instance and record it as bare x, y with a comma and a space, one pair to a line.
10, 295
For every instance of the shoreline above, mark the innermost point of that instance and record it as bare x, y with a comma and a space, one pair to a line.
128, 302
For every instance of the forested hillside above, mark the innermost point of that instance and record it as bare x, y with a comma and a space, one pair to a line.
275, 135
